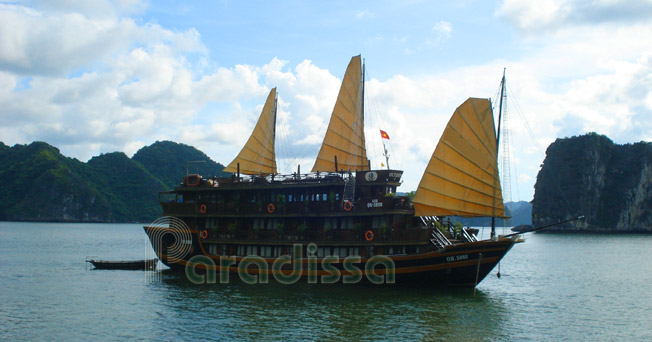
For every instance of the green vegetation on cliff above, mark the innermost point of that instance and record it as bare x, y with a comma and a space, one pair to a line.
169, 161
610, 184
40, 184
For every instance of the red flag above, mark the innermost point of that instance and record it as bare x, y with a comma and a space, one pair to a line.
384, 134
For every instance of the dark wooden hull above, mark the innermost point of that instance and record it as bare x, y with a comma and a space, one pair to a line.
460, 265
124, 265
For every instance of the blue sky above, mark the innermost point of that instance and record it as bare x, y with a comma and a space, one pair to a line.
99, 76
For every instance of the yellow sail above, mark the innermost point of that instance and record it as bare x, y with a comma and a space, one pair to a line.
462, 175
345, 134
258, 156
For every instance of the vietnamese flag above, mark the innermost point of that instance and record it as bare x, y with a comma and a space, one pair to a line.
384, 134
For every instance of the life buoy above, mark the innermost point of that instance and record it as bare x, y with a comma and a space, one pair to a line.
369, 235
204, 234
202, 208
270, 208
348, 206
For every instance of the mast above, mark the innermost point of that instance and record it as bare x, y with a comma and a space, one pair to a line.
500, 117
386, 154
362, 155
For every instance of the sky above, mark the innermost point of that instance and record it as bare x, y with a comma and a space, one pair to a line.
92, 77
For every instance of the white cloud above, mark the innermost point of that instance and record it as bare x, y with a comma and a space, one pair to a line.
553, 15
91, 83
443, 29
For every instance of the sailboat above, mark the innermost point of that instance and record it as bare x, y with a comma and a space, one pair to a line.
343, 221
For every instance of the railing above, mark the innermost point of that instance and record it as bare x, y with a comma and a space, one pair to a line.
439, 239
467, 236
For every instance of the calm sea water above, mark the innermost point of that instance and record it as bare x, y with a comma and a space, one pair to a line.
553, 287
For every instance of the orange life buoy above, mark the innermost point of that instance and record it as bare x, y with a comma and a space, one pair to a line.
204, 234
369, 235
202, 208
270, 208
348, 206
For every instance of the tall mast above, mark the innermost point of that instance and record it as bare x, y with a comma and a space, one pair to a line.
362, 109
500, 117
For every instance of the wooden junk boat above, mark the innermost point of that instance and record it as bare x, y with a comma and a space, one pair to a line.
330, 224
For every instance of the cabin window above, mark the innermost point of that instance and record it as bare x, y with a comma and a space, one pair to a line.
331, 223
378, 221
320, 252
290, 198
241, 250
347, 223
337, 196
324, 197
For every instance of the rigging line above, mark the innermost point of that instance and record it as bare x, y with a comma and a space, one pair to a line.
285, 152
542, 154
511, 151
525, 122
382, 122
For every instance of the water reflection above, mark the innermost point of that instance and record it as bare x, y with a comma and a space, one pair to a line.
324, 312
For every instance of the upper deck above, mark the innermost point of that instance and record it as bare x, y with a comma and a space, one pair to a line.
369, 193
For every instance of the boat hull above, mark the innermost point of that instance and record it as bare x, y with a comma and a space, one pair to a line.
459, 265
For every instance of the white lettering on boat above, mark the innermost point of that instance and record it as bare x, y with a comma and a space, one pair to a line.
457, 257
395, 175
375, 204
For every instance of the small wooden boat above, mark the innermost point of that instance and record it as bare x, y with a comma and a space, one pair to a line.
148, 264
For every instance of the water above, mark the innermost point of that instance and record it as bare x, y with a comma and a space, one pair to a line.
553, 287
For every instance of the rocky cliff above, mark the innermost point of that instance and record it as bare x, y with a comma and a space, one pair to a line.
610, 184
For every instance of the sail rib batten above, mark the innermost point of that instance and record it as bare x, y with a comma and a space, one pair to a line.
344, 136
489, 172
452, 208
462, 175
487, 136
470, 188
482, 140
448, 194
258, 156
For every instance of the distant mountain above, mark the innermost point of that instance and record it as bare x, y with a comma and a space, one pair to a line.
169, 162
521, 212
610, 184
40, 184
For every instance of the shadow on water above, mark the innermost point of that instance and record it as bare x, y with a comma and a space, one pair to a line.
337, 311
